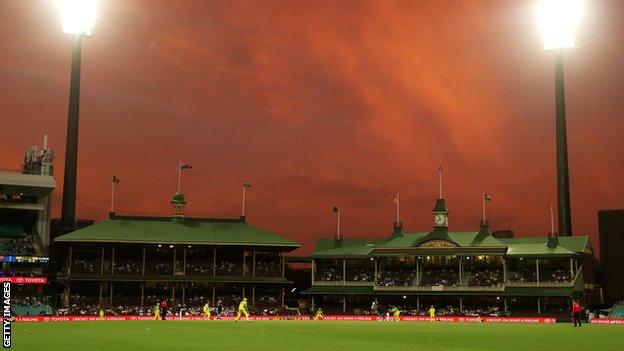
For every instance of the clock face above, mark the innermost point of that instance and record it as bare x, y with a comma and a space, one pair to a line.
439, 219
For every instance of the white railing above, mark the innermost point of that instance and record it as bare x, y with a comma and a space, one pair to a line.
342, 283
439, 288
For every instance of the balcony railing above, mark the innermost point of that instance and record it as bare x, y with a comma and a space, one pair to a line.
342, 283
439, 288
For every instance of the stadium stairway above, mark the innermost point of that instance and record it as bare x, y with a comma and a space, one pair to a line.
617, 311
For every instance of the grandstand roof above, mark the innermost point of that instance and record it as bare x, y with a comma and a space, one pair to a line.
29, 184
161, 230
529, 246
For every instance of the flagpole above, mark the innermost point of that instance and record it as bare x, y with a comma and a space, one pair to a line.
244, 193
338, 227
440, 180
397, 208
483, 199
113, 198
552, 220
179, 174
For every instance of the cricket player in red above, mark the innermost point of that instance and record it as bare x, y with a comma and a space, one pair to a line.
577, 312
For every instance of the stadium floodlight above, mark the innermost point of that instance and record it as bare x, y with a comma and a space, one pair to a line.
78, 16
558, 21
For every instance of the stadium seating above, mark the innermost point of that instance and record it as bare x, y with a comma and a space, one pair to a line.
19, 246
11, 230
617, 311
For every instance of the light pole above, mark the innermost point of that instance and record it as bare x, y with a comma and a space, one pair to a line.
558, 21
78, 18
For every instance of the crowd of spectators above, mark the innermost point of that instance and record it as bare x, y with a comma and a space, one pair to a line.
440, 276
268, 268
199, 267
160, 267
356, 274
128, 267
229, 268
86, 266
522, 275
397, 276
559, 276
486, 277
328, 274
18, 246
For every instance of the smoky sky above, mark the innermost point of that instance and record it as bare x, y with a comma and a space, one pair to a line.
321, 104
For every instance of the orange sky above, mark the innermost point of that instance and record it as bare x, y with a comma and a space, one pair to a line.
321, 104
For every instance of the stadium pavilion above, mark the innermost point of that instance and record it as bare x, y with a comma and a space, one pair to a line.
129, 263
464, 273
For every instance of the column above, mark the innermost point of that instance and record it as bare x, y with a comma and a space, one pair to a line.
313, 265
283, 265
244, 261
214, 261
243, 292
253, 295
213, 294
344, 271
113, 261
184, 267
537, 270
174, 260
504, 272
572, 268
461, 304
144, 249
539, 305
374, 277
100, 297
460, 273
417, 271
102, 263
71, 248
505, 304
173, 289
110, 299
418, 304
142, 294
312, 304
344, 304
253, 265
282, 292
183, 293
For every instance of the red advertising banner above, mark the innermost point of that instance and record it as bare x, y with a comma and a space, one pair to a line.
608, 321
259, 318
25, 280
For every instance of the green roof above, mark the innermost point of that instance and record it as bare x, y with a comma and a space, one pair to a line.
327, 248
161, 230
528, 246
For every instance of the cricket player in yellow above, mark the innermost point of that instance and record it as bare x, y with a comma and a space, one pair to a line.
318, 316
157, 311
395, 313
242, 309
432, 314
207, 310
101, 313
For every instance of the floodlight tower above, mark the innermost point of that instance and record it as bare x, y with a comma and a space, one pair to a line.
78, 18
558, 21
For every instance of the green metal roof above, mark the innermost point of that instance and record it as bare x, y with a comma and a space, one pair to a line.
327, 248
162, 230
527, 246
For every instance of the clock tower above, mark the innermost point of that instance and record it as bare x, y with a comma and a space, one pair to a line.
440, 215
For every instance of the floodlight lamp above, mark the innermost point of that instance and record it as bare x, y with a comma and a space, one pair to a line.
558, 21
78, 16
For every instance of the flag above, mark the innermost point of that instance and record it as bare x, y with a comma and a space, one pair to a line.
184, 166
487, 197
396, 198
115, 179
336, 209
440, 168
247, 184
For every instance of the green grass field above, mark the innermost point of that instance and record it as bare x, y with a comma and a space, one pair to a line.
310, 335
